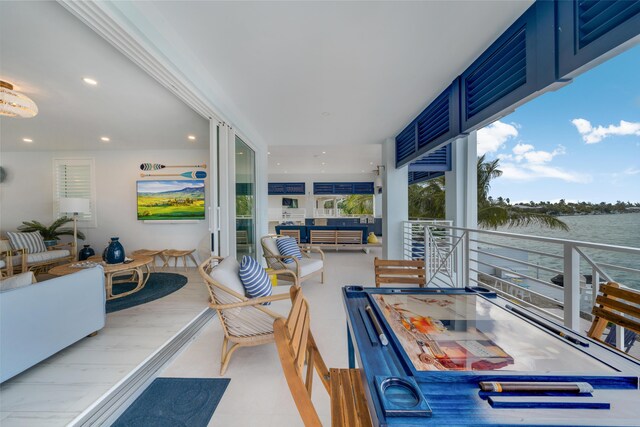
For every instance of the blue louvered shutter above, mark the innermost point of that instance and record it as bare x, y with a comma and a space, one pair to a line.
589, 29
417, 177
518, 64
437, 161
406, 145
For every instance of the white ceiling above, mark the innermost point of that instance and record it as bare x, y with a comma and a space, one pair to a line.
45, 52
323, 73
304, 159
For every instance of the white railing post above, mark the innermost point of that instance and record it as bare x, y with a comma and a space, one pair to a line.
571, 287
463, 279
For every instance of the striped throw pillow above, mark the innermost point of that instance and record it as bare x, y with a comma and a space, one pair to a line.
255, 280
32, 242
287, 246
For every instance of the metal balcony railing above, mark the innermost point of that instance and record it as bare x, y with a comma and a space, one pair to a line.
555, 276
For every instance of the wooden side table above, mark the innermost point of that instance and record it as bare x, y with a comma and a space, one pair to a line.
177, 253
153, 253
134, 267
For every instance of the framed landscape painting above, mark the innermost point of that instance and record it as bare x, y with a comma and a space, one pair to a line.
171, 200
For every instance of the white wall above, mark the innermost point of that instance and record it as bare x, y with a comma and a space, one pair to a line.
27, 194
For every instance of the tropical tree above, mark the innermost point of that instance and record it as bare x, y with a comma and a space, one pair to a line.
428, 201
357, 204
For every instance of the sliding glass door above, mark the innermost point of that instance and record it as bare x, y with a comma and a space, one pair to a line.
245, 199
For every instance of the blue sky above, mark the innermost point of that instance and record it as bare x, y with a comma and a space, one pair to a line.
580, 143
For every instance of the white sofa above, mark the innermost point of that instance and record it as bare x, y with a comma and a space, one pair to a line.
40, 319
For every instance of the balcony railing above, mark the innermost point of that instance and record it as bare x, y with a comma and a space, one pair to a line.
521, 267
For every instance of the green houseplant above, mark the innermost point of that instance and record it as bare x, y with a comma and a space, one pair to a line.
52, 233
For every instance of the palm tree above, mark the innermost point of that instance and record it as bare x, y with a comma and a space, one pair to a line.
357, 204
428, 201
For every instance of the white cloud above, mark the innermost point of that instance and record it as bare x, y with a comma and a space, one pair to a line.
491, 138
593, 135
528, 164
522, 148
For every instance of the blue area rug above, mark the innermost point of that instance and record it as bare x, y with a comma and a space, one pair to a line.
159, 285
173, 402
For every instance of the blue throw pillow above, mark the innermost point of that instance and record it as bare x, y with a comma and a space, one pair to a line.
287, 246
255, 280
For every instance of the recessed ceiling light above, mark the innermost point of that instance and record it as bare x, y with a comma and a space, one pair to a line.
90, 81
362, 171
324, 152
322, 171
277, 164
371, 163
323, 163
192, 137
105, 139
27, 139
269, 152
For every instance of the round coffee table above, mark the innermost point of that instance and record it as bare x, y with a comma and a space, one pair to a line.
135, 268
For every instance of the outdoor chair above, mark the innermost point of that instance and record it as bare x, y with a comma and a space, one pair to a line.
304, 268
618, 306
245, 321
296, 346
399, 272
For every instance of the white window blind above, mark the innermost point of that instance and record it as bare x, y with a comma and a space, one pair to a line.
75, 178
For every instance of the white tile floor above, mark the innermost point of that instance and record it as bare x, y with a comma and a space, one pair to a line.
57, 390
258, 394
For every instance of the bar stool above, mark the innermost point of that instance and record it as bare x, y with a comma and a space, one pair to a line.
153, 253
178, 253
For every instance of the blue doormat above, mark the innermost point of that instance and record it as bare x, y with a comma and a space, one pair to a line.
159, 285
173, 402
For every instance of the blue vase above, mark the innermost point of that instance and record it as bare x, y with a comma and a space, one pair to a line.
85, 252
115, 252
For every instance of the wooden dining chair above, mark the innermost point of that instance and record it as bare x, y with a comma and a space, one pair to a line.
616, 305
296, 347
399, 272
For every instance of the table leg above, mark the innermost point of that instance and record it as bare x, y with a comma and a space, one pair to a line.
352, 358
109, 285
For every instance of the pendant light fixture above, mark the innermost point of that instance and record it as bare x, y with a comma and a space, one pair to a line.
15, 104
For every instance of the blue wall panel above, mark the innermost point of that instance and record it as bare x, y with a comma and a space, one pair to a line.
590, 29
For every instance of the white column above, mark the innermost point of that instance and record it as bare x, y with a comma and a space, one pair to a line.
461, 195
227, 181
377, 205
395, 203
214, 174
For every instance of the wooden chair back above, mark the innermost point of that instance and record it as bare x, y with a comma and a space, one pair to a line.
408, 272
620, 306
296, 347
291, 233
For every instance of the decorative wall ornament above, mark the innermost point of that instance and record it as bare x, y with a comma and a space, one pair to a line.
192, 174
15, 104
158, 166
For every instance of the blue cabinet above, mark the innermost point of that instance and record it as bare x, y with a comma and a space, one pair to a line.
287, 188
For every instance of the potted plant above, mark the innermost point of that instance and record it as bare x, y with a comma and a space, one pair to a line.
52, 233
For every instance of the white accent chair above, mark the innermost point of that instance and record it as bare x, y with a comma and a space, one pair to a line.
245, 321
304, 268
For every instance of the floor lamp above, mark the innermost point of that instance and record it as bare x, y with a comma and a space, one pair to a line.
75, 206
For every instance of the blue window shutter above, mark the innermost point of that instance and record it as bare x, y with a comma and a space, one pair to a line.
437, 124
417, 177
406, 144
286, 188
343, 188
516, 66
437, 161
590, 29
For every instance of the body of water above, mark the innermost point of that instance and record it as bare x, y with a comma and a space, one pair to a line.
619, 230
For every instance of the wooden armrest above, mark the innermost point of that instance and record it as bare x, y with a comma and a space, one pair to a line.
250, 302
287, 272
60, 245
